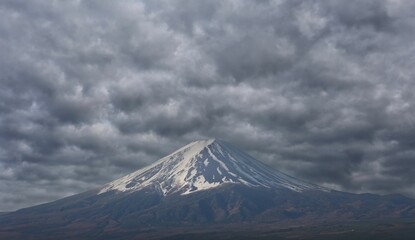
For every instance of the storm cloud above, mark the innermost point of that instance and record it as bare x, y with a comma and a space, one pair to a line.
93, 90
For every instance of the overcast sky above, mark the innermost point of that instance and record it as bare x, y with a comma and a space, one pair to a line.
93, 90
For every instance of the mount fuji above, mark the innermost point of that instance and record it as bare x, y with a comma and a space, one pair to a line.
206, 184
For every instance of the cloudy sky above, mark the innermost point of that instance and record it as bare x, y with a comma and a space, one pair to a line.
92, 90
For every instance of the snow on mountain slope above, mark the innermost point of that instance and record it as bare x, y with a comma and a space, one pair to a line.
202, 165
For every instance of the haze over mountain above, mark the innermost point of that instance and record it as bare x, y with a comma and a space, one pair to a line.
205, 183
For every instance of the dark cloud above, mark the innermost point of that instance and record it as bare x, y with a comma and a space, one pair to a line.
92, 90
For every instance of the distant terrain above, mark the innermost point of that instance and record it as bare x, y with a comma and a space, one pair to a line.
362, 230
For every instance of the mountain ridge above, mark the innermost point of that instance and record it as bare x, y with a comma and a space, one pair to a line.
256, 196
206, 164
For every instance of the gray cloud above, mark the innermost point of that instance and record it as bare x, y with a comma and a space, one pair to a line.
92, 90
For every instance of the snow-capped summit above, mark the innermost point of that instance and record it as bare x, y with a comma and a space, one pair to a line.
202, 165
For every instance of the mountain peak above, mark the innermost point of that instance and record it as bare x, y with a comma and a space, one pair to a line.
184, 191
202, 165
